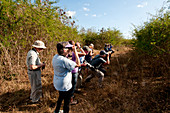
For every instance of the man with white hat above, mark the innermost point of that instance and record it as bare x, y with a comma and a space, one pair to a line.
34, 73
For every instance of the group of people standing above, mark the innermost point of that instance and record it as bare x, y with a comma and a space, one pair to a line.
66, 64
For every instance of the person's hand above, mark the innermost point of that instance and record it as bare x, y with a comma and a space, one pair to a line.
74, 48
110, 52
78, 44
84, 64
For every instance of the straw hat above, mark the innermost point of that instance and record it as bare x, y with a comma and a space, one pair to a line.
39, 44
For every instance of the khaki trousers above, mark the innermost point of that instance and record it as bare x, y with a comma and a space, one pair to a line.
95, 72
36, 87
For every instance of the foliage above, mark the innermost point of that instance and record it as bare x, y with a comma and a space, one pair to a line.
104, 36
153, 37
23, 22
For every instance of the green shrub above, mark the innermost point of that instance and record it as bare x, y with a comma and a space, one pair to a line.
153, 37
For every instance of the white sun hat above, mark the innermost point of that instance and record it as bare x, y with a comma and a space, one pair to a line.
92, 45
39, 44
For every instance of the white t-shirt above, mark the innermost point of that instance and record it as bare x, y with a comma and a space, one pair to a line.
62, 72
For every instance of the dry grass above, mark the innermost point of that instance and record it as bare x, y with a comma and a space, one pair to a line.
131, 85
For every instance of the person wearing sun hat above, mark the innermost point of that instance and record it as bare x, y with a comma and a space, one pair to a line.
62, 79
34, 66
91, 46
88, 51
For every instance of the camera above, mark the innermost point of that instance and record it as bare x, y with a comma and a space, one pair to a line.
43, 66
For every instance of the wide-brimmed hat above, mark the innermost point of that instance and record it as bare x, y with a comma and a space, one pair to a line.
92, 45
39, 44
103, 52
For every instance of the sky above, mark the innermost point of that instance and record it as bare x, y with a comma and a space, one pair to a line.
119, 14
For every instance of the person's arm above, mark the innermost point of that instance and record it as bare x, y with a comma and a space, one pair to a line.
33, 67
91, 53
77, 57
32, 60
82, 51
108, 60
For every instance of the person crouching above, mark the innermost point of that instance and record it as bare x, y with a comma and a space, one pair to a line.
97, 62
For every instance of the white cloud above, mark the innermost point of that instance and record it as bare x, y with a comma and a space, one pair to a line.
70, 13
86, 4
86, 14
86, 9
94, 15
105, 14
142, 5
139, 5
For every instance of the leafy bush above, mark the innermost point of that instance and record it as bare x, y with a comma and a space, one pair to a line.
153, 37
104, 36
23, 22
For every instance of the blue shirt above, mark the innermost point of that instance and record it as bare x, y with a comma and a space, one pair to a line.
62, 72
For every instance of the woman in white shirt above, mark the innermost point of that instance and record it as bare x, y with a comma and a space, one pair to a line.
62, 73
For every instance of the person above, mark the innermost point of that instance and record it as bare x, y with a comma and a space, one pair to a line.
91, 46
62, 79
97, 62
34, 73
110, 50
75, 70
88, 51
88, 57
106, 47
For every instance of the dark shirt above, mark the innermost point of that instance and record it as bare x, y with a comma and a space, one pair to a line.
110, 48
97, 61
106, 49
88, 57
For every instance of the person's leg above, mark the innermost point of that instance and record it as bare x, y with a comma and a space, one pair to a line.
31, 82
74, 82
100, 74
67, 101
59, 102
79, 81
88, 78
36, 87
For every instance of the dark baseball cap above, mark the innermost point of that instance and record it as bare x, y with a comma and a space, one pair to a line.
103, 52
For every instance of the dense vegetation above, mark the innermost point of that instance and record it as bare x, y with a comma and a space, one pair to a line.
23, 22
136, 81
153, 37
112, 36
153, 41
